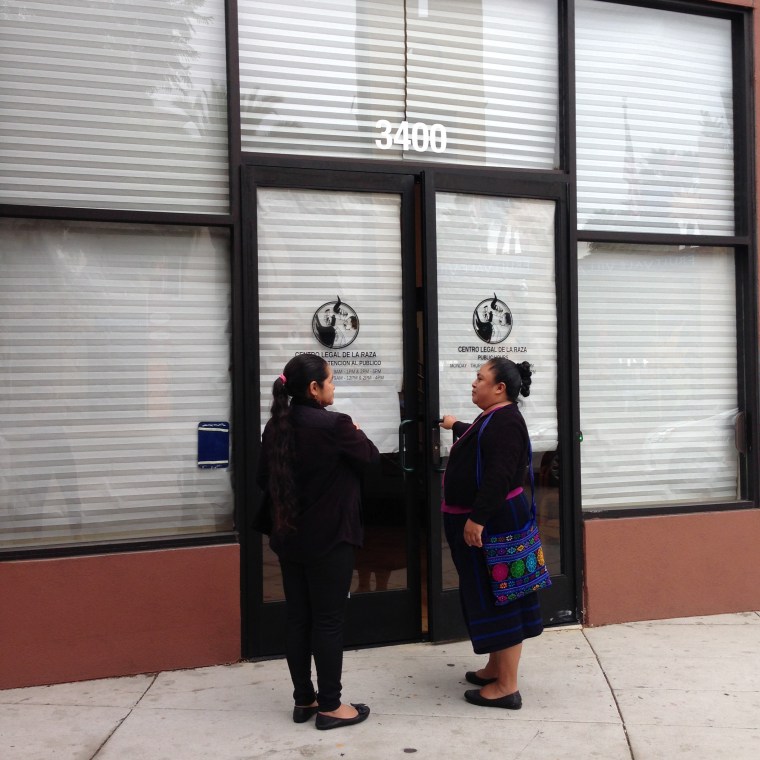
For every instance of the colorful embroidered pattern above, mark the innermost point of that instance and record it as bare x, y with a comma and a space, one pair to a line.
516, 564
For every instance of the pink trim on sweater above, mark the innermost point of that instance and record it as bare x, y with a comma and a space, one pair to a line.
450, 509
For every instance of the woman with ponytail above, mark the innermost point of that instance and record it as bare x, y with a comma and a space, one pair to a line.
309, 471
496, 444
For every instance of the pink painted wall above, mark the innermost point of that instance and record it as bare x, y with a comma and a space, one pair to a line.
650, 568
79, 618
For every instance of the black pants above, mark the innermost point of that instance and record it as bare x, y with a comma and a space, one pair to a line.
316, 592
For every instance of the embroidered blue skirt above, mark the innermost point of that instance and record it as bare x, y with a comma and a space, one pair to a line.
491, 628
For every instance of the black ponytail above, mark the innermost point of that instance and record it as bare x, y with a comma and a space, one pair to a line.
294, 382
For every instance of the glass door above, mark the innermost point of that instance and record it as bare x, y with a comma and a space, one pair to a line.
493, 264
332, 253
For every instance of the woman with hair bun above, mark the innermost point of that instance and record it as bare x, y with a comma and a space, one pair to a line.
309, 471
496, 501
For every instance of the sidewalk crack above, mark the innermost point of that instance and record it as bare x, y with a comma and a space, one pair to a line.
614, 696
119, 724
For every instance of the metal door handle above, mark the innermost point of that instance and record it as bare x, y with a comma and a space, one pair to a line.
436, 447
402, 446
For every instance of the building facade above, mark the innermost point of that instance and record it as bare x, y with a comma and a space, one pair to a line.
194, 191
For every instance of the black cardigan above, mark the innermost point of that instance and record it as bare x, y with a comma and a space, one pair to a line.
330, 453
503, 456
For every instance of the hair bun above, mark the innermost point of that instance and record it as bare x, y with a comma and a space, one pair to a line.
525, 371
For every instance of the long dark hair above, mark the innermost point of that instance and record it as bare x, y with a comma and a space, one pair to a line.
299, 373
516, 377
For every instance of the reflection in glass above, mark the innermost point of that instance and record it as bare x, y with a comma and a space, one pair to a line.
381, 564
546, 482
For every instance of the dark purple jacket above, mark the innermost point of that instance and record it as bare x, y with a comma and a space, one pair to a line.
330, 453
504, 459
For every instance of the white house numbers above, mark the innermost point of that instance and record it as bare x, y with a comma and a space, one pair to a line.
418, 136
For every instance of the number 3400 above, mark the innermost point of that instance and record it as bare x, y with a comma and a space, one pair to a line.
418, 136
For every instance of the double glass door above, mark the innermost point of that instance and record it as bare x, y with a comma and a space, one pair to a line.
405, 283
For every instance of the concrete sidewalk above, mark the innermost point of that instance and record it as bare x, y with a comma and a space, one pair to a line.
687, 688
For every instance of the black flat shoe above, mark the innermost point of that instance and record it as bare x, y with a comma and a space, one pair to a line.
302, 714
472, 677
325, 722
510, 702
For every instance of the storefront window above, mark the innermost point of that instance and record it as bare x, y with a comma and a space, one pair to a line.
115, 348
658, 369
654, 120
473, 82
114, 105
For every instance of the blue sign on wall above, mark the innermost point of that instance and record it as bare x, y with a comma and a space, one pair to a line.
213, 445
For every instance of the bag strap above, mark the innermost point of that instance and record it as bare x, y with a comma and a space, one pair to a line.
479, 466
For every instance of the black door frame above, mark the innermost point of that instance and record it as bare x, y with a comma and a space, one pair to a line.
561, 603
373, 618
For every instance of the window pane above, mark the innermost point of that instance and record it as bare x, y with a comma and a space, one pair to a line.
654, 120
115, 347
330, 266
502, 249
658, 367
487, 71
114, 105
316, 77
330, 283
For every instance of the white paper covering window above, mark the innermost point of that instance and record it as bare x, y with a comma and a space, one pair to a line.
316, 77
658, 368
503, 249
115, 346
654, 120
114, 105
334, 259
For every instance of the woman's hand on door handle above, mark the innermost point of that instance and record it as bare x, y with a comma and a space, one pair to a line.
447, 421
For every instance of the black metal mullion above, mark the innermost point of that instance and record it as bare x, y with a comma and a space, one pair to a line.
702, 8
661, 238
566, 52
568, 387
240, 280
667, 509
251, 546
430, 359
115, 216
411, 395
746, 255
369, 166
233, 107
